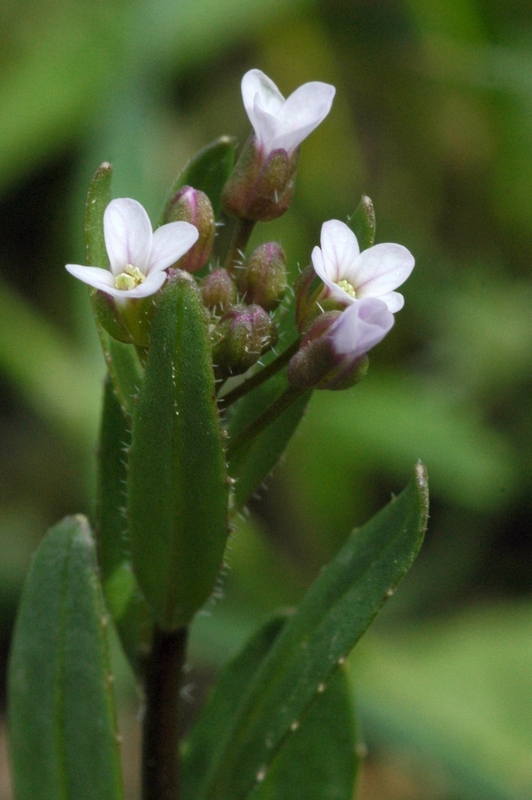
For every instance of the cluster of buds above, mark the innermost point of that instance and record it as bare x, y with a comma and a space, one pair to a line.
345, 300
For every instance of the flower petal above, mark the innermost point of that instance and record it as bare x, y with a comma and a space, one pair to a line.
333, 290
394, 300
302, 112
128, 235
170, 242
259, 90
380, 269
360, 327
339, 247
93, 276
266, 127
280, 123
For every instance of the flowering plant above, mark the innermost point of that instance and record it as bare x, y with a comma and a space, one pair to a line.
198, 407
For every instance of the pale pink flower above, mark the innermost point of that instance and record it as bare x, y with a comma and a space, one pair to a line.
138, 256
279, 123
350, 275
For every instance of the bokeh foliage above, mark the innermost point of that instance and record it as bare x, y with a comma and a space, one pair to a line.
433, 120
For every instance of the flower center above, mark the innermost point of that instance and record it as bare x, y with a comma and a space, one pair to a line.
129, 278
348, 288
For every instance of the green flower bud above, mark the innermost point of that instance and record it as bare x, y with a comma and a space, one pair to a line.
263, 279
244, 333
218, 291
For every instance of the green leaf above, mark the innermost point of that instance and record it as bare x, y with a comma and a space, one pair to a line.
62, 717
124, 600
177, 484
363, 223
319, 760
331, 618
98, 198
216, 714
252, 465
316, 762
208, 171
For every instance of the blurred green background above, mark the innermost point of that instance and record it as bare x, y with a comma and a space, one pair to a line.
433, 120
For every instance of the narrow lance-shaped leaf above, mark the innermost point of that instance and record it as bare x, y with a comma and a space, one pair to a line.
124, 600
331, 618
177, 484
318, 758
62, 718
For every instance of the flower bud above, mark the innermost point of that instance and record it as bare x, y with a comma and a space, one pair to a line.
263, 279
191, 205
218, 291
244, 334
261, 185
333, 350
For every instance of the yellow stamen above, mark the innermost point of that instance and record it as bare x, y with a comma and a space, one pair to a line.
347, 287
129, 278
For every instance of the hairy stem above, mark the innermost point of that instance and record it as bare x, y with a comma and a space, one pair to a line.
259, 377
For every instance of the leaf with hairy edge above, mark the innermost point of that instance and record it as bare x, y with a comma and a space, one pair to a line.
177, 482
124, 600
316, 762
62, 717
331, 618
207, 171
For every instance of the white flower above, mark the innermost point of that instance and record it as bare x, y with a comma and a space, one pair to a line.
137, 255
360, 327
279, 123
350, 275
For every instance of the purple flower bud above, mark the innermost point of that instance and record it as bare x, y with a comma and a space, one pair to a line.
260, 187
218, 291
244, 333
263, 279
191, 205
333, 350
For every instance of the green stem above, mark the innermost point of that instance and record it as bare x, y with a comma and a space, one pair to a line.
160, 746
241, 235
247, 436
259, 377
